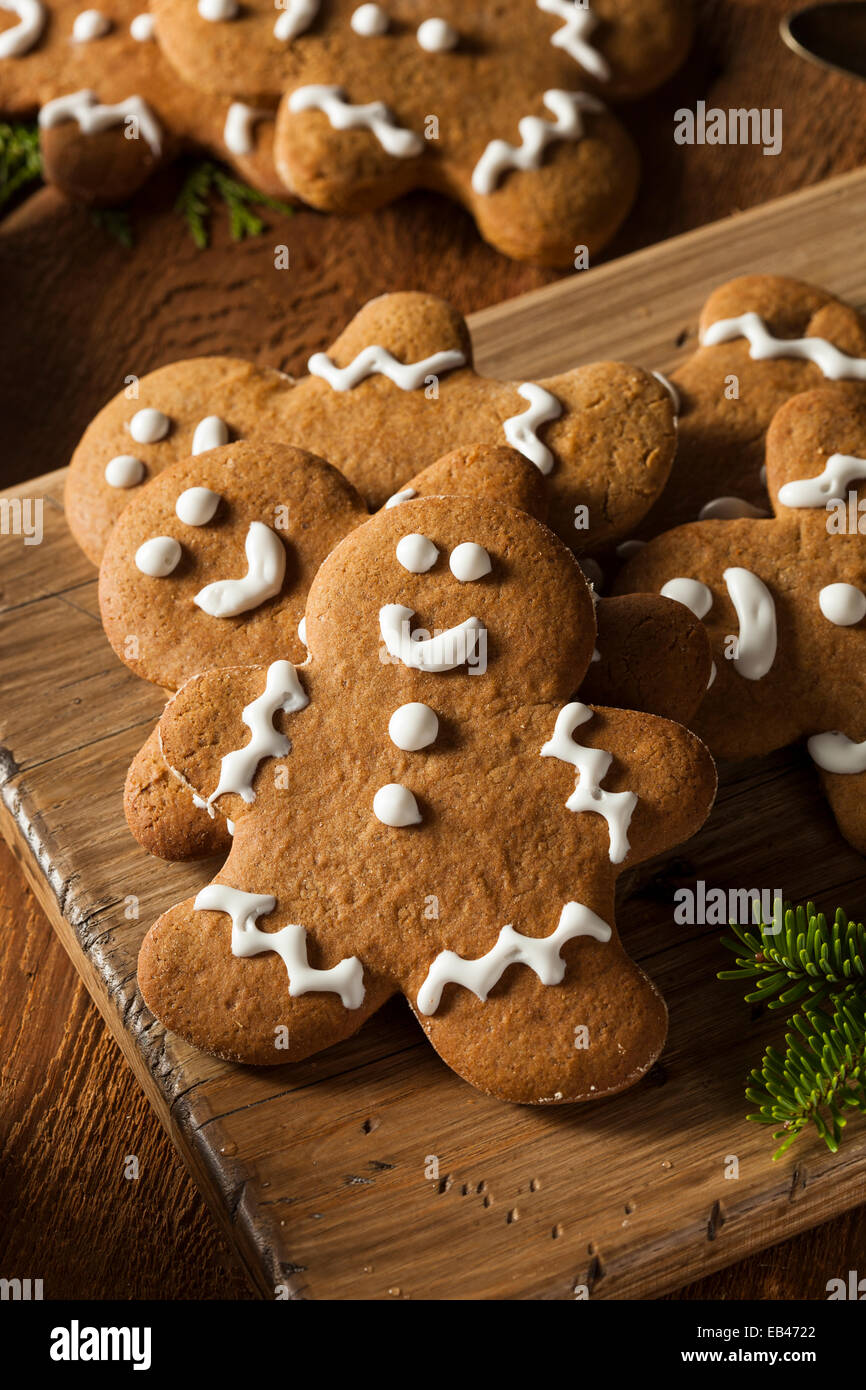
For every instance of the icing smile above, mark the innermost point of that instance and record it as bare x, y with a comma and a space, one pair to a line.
444, 651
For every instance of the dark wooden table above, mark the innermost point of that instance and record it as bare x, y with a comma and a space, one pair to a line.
71, 1114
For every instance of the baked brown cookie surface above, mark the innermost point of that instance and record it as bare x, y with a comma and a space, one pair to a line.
423, 808
784, 600
394, 393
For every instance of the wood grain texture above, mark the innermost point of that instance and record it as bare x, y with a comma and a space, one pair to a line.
317, 1172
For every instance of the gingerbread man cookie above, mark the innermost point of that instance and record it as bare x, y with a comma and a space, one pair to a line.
272, 513
448, 824
763, 339
396, 391
502, 107
111, 108
784, 600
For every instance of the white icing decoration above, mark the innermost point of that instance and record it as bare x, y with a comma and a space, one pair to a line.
22, 36
158, 556
592, 765
729, 509
148, 425
396, 806
413, 726
210, 433
142, 28
85, 108
266, 566
296, 18
836, 752
832, 483
369, 21
536, 134
405, 496
437, 36
239, 128
343, 115
283, 691
378, 361
540, 953
833, 363
573, 37
218, 11
124, 470
713, 673
690, 592
469, 562
302, 630
196, 506
756, 615
671, 390
416, 553
290, 944
521, 431
90, 25
444, 652
842, 604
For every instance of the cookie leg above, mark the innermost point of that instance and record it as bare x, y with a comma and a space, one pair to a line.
592, 1035
239, 1007
161, 813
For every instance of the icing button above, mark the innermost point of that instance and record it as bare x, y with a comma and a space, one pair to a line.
158, 556
124, 470
396, 806
149, 425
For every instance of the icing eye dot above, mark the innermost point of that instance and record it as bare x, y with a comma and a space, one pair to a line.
210, 433
395, 805
302, 630
217, 11
149, 425
413, 726
691, 592
158, 556
416, 553
369, 20
89, 25
142, 28
437, 35
842, 604
405, 496
197, 505
124, 470
469, 561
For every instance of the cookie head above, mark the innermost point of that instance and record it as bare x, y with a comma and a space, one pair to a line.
464, 598
210, 565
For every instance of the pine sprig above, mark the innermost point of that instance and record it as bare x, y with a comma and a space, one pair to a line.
821, 1074
194, 203
806, 958
115, 223
20, 159
820, 968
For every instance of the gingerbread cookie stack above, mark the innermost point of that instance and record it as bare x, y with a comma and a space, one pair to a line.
506, 109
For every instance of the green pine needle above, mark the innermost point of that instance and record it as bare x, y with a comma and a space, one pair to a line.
20, 159
115, 223
194, 203
820, 968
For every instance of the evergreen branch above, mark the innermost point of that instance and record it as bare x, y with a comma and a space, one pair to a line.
20, 159
194, 203
821, 968
115, 222
821, 1075
807, 958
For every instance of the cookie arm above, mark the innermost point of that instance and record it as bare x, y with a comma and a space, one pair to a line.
161, 813
222, 730
654, 655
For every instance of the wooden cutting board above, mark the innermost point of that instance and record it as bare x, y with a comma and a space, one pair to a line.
321, 1172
